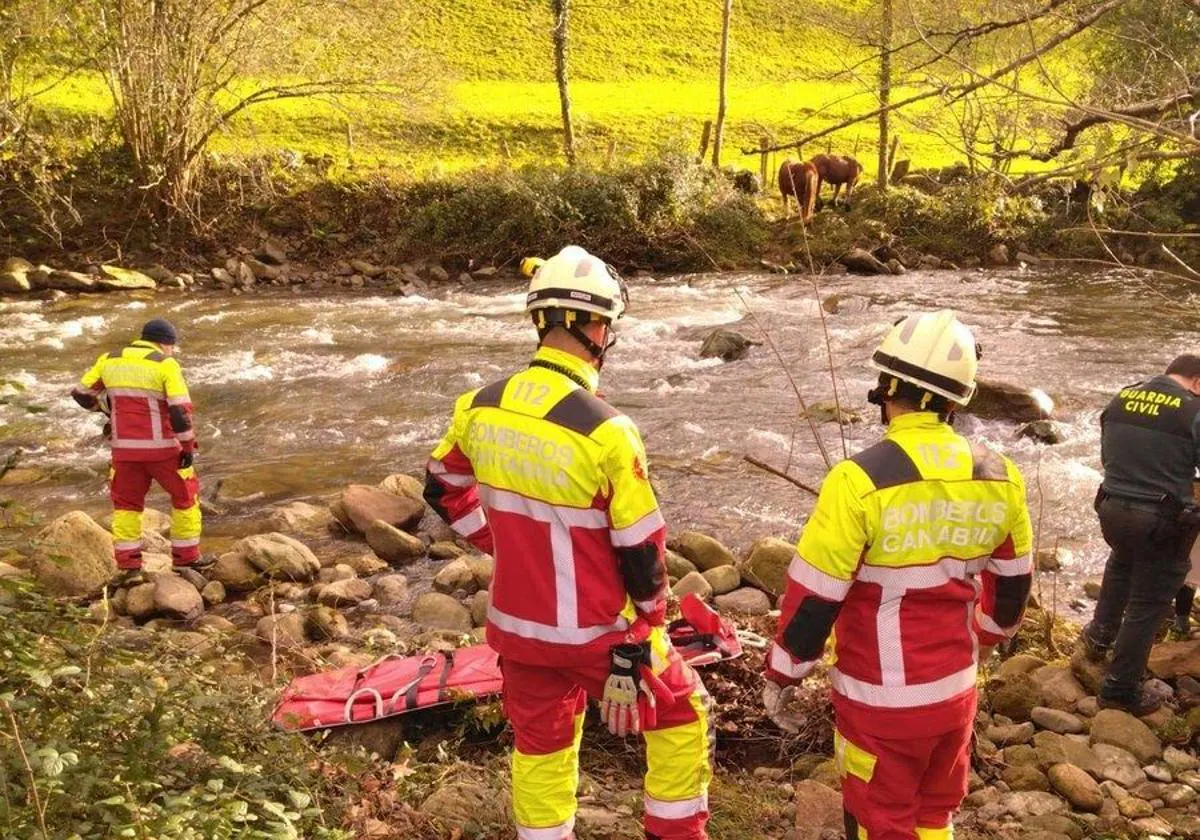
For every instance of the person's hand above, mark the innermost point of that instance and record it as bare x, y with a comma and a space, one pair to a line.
776, 698
619, 703
186, 459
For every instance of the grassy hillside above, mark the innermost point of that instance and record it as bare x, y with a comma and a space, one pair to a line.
644, 80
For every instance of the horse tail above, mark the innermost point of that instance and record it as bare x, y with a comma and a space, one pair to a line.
811, 186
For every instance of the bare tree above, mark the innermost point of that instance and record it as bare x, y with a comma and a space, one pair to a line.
181, 70
887, 26
562, 14
726, 17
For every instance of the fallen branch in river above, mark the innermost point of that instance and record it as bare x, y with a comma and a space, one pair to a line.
750, 459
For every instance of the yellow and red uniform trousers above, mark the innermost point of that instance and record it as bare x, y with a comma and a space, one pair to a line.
151, 420
917, 553
552, 481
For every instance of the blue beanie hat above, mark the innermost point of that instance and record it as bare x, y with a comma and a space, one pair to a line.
160, 331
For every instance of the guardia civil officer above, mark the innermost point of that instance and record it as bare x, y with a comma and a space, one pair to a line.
1150, 448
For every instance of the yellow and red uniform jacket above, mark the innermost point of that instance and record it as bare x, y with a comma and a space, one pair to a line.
917, 552
149, 406
552, 481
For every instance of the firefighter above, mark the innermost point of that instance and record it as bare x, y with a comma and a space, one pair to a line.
141, 389
541, 473
1150, 449
917, 558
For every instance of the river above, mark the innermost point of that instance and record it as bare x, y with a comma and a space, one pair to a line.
298, 395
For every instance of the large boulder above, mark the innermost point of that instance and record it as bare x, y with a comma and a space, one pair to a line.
1057, 687
723, 579
1014, 697
744, 601
766, 565
300, 518
483, 567
1032, 803
458, 804
1052, 748
282, 630
435, 611
391, 590
693, 583
726, 345
115, 279
1175, 659
345, 593
63, 281
703, 551
236, 573
74, 556
818, 810
861, 261
325, 624
175, 598
12, 281
396, 547
1121, 729
1005, 401
361, 504
455, 575
404, 485
279, 557
677, 565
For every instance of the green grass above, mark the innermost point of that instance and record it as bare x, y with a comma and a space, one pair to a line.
644, 81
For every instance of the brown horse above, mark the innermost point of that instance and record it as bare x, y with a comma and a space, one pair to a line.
801, 181
837, 170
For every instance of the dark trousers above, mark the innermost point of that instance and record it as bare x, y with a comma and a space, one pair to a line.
1184, 600
1147, 566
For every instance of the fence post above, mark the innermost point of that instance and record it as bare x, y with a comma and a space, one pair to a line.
705, 135
764, 145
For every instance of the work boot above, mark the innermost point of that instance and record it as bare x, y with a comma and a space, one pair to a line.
204, 561
1139, 706
127, 578
1092, 649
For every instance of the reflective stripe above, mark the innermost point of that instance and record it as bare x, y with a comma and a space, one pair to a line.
572, 517
902, 696
1015, 567
470, 523
816, 581
681, 809
127, 546
185, 543
989, 625
456, 479
140, 393
646, 606
125, 443
640, 531
891, 645
548, 633
922, 577
781, 661
554, 832
155, 418
190, 434
184, 400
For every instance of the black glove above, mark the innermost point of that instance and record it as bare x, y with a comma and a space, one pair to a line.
186, 459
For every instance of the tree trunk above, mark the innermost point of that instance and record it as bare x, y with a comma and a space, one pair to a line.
885, 89
562, 11
724, 77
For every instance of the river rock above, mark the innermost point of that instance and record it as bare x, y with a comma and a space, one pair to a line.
300, 518
175, 598
818, 810
1133, 808
860, 261
453, 576
1170, 660
236, 573
1090, 674
726, 345
73, 556
1052, 748
336, 572
285, 630
345, 593
678, 566
702, 550
213, 593
361, 504
1057, 687
1076, 786
1121, 729
139, 604
1056, 824
14, 282
767, 563
831, 412
65, 281
693, 583
1032, 803
997, 255
445, 551
279, 557
115, 279
455, 804
391, 590
1119, 766
1021, 663
723, 579
399, 548
1180, 761
744, 601
1056, 720
365, 565
1043, 431
1014, 697
435, 611
1005, 401
325, 624
1010, 734
479, 608
1025, 777
408, 486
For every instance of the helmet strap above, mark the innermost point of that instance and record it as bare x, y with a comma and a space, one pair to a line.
569, 320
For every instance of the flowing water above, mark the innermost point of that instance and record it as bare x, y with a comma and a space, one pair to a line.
297, 396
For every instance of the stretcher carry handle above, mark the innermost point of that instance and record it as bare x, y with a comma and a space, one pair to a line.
346, 710
751, 639
412, 686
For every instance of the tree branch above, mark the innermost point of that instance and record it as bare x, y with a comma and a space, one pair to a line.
1140, 110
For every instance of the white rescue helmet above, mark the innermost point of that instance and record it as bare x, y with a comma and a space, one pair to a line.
934, 351
576, 280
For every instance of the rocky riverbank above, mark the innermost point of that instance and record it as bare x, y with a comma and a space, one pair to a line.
387, 577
